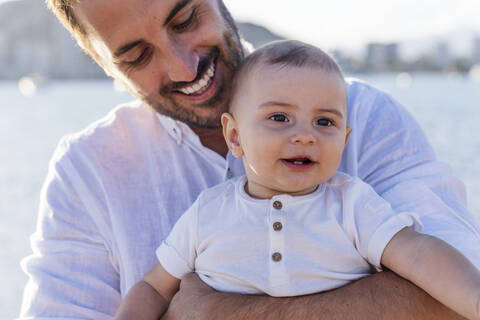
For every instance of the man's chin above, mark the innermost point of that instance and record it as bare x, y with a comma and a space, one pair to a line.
190, 118
204, 122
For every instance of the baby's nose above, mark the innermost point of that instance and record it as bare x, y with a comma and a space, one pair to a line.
304, 137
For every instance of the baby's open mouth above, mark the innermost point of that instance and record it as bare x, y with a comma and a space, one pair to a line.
298, 161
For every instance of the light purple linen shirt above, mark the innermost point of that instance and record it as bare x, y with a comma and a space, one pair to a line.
115, 189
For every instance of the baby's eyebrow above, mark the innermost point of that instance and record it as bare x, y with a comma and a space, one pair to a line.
274, 103
334, 111
277, 103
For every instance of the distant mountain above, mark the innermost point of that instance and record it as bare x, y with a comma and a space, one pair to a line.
257, 35
32, 41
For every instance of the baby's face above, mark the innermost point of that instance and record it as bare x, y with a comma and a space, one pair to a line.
292, 129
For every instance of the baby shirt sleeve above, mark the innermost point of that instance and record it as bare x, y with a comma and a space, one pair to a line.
371, 221
177, 253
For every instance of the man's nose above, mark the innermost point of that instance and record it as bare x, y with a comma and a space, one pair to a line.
181, 63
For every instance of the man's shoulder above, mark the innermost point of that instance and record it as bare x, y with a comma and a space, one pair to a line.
360, 91
353, 83
120, 122
119, 118
117, 133
367, 104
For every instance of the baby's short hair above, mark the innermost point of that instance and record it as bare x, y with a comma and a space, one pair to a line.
284, 53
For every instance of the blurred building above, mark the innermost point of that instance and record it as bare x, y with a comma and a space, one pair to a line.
382, 57
441, 57
476, 50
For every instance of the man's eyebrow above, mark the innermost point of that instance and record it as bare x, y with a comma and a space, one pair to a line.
126, 48
179, 6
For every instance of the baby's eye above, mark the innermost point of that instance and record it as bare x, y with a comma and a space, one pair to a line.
324, 122
279, 117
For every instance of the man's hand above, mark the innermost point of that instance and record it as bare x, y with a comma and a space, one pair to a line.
190, 300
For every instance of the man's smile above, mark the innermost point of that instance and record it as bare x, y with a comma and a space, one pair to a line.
201, 85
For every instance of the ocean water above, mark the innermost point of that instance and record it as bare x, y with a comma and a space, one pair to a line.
447, 107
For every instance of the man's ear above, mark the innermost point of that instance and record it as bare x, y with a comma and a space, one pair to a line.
349, 130
230, 133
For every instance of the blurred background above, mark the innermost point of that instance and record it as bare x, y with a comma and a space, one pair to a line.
426, 54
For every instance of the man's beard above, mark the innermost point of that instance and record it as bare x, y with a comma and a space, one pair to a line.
231, 56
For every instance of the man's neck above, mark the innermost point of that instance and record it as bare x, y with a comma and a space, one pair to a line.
212, 139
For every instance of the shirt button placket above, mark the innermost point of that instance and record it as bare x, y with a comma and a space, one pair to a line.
278, 272
229, 173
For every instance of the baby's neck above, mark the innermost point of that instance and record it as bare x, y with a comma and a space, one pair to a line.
258, 191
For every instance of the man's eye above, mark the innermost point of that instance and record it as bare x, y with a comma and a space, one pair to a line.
324, 122
279, 117
142, 58
182, 26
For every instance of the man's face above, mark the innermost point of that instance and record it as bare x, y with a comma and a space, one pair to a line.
292, 128
178, 56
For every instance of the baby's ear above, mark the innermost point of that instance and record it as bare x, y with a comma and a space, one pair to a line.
349, 130
230, 133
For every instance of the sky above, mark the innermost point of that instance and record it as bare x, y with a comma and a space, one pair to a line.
349, 24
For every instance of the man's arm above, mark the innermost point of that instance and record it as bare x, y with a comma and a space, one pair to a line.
383, 296
71, 275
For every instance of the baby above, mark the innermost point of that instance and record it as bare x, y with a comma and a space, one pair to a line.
293, 225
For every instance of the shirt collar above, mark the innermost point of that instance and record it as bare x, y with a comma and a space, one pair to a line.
284, 198
177, 129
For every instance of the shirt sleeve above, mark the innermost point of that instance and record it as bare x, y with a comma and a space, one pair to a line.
177, 253
71, 274
371, 222
394, 156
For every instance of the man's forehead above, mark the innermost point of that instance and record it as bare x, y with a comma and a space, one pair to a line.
109, 20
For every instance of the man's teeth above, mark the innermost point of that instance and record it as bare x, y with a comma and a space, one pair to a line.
297, 162
200, 85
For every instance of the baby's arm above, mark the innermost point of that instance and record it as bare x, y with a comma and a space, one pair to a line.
149, 298
436, 267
